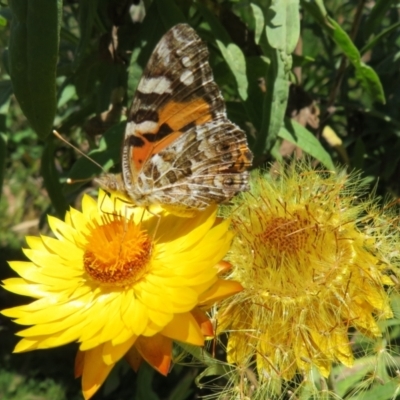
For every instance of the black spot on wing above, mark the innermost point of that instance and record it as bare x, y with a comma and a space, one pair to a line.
163, 132
135, 141
188, 126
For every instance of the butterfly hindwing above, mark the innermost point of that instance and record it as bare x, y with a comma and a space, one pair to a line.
206, 165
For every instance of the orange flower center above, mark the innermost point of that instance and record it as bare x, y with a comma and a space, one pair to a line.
286, 235
117, 252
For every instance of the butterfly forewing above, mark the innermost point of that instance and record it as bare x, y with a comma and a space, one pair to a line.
179, 147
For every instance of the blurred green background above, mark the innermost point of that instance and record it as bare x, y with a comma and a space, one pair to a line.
300, 77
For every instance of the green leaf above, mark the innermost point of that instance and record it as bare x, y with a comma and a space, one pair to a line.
218, 31
33, 56
240, 67
254, 105
376, 15
234, 57
283, 27
108, 154
144, 384
3, 21
259, 22
214, 366
370, 81
282, 33
87, 14
275, 102
51, 179
6, 91
170, 13
295, 133
183, 391
365, 74
315, 8
231, 53
3, 153
371, 44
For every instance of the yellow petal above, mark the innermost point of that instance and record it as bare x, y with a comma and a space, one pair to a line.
156, 351
184, 328
61, 230
113, 353
24, 288
220, 290
135, 317
95, 372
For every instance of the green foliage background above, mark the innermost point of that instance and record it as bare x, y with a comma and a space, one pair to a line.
74, 66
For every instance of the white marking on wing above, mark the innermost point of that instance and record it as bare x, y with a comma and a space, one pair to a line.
159, 85
187, 77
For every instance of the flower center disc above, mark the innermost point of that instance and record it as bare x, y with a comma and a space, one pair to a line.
117, 252
284, 235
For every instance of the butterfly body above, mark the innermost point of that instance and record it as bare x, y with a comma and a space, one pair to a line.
179, 147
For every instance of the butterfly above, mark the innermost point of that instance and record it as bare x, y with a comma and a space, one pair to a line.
179, 148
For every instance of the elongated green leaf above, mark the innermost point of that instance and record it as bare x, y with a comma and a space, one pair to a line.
232, 54
315, 8
170, 13
237, 64
371, 82
343, 40
3, 153
217, 28
6, 91
259, 22
282, 33
274, 103
371, 44
377, 13
303, 138
33, 56
51, 179
144, 387
366, 75
87, 14
283, 27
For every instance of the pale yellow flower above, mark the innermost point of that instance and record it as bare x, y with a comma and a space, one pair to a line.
314, 259
120, 285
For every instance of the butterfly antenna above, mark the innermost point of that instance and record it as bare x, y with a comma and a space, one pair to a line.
80, 152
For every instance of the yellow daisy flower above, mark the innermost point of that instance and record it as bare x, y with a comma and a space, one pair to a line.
121, 282
314, 260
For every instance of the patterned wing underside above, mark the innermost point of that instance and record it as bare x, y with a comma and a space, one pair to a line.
211, 167
176, 91
179, 146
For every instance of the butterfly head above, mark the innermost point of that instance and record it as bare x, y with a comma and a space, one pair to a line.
111, 183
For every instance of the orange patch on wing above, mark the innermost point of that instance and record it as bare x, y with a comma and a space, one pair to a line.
176, 115
141, 154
